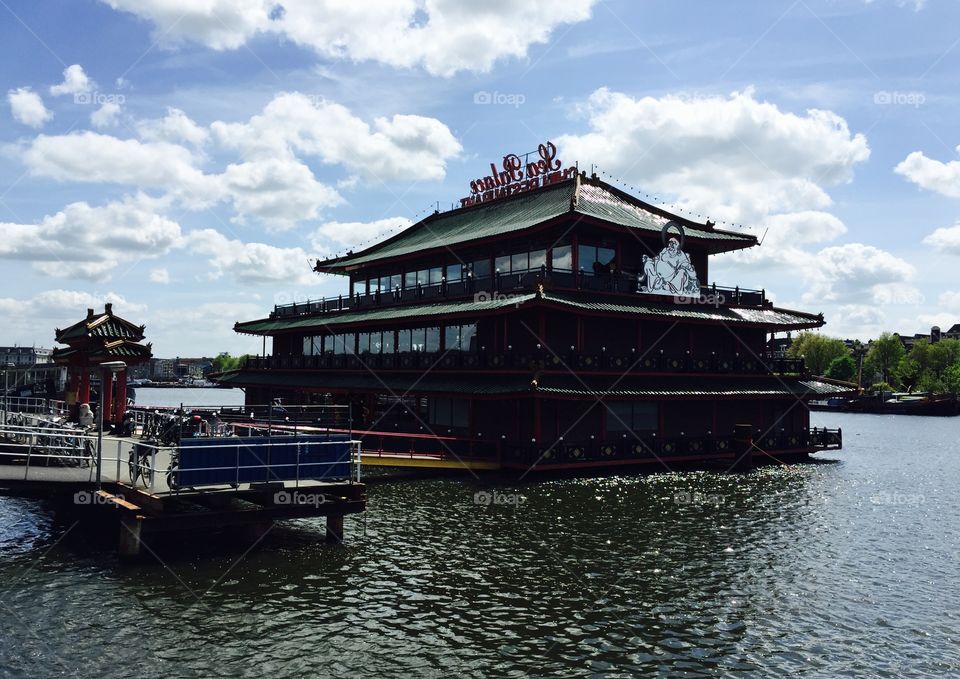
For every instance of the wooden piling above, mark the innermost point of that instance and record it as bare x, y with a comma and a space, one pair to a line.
335, 528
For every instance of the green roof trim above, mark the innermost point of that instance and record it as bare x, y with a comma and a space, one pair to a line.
783, 319
629, 386
387, 313
584, 197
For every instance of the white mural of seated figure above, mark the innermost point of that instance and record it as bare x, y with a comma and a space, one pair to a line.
670, 272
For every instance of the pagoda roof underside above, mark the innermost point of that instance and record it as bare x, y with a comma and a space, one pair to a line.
780, 319
560, 386
577, 197
108, 351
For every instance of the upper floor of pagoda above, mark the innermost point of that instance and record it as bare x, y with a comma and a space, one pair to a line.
571, 223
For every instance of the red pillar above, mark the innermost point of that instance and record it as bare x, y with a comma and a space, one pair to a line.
84, 395
120, 407
106, 395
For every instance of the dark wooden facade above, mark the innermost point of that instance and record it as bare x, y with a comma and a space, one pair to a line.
525, 331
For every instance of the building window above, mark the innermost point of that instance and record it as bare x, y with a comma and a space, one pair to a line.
631, 417
404, 340
460, 337
431, 339
312, 346
481, 268
449, 412
454, 273
386, 342
562, 258
595, 260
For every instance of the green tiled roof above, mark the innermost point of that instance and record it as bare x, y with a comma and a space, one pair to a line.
105, 326
507, 215
705, 312
387, 313
555, 385
781, 318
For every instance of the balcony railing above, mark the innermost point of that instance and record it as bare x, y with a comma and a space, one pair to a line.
581, 362
618, 283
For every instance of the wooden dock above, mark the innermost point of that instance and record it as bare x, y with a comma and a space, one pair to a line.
149, 506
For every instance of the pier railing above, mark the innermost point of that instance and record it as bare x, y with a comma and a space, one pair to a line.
654, 362
48, 452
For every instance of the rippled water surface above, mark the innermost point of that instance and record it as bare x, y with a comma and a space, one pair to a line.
835, 569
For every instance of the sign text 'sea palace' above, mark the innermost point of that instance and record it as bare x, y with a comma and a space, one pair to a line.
515, 177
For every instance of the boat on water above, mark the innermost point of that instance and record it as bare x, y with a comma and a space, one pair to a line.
893, 404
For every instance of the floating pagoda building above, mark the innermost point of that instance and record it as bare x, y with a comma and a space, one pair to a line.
552, 321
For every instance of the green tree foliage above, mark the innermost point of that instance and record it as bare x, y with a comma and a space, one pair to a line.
842, 368
927, 365
817, 350
951, 379
884, 356
225, 362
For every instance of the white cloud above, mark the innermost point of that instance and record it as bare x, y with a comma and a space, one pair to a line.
280, 192
176, 127
88, 242
293, 123
946, 239
106, 115
159, 275
853, 271
930, 174
251, 263
100, 158
27, 107
75, 81
733, 158
62, 306
442, 36
272, 185
333, 237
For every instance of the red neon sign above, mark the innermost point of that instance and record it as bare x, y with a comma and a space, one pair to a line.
517, 177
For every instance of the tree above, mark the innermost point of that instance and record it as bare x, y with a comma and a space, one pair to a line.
817, 350
884, 355
225, 362
909, 372
842, 368
951, 379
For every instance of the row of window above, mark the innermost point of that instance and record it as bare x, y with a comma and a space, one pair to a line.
592, 258
455, 338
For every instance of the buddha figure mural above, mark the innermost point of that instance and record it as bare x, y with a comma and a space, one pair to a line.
671, 271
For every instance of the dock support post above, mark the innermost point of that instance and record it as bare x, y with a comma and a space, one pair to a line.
131, 527
742, 447
335, 529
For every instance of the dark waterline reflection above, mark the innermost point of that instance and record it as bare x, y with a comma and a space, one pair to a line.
845, 569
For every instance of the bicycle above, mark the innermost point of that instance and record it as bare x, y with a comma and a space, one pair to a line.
138, 463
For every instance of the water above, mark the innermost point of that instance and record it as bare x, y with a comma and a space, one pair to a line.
826, 570
173, 397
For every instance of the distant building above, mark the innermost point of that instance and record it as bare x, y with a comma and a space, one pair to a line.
25, 355
952, 333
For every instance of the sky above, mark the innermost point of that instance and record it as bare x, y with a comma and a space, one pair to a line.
186, 160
